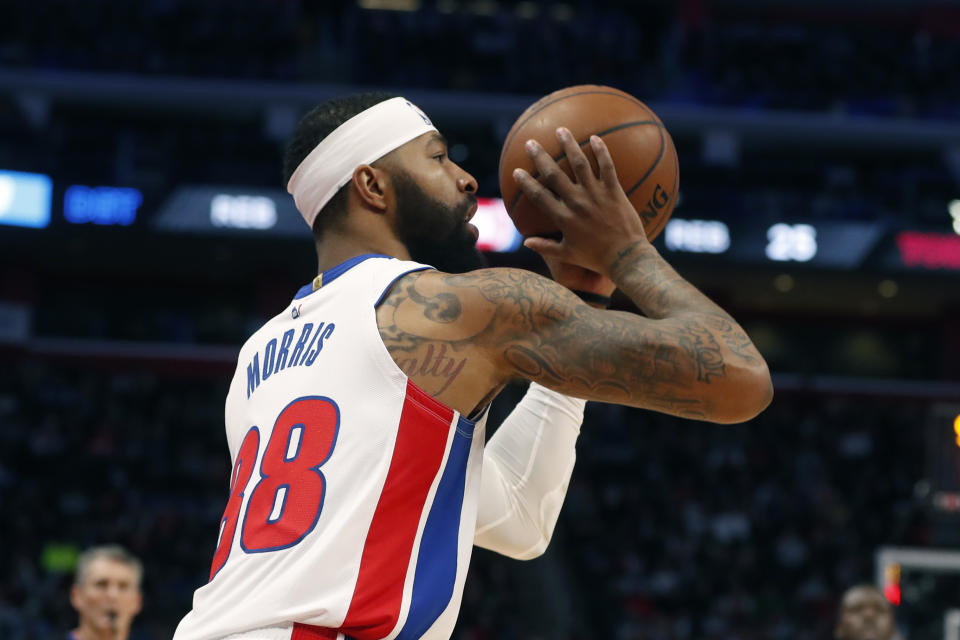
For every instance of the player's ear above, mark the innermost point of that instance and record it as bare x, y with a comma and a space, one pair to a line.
370, 184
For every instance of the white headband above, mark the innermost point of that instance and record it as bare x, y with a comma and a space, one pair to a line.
364, 138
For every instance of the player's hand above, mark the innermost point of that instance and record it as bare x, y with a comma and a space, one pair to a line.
592, 211
578, 278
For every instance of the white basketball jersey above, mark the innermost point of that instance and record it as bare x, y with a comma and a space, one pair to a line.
353, 496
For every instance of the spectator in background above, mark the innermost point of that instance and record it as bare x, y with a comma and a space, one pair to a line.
865, 615
106, 593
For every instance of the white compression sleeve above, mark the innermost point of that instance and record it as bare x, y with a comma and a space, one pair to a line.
526, 470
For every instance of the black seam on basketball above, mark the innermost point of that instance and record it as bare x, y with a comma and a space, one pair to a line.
625, 125
673, 197
627, 97
663, 146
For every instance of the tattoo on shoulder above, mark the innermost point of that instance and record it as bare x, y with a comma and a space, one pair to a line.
442, 307
434, 362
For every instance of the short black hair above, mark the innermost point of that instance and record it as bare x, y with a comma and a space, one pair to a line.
316, 125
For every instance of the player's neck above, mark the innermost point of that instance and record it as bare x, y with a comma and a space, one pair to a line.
339, 247
88, 632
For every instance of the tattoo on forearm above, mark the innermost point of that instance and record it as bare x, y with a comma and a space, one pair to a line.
542, 332
547, 337
735, 339
530, 363
650, 282
703, 348
625, 255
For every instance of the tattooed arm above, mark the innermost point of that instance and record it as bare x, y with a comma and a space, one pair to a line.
695, 364
687, 357
462, 337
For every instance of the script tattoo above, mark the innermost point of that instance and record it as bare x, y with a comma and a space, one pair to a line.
437, 365
735, 339
703, 348
433, 361
625, 255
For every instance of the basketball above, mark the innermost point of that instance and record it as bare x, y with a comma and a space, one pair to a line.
641, 148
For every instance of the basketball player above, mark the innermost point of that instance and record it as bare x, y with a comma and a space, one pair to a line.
356, 416
865, 615
106, 593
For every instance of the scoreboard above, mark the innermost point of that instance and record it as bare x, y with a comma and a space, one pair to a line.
40, 202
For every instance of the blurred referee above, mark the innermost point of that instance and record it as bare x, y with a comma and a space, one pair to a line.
106, 593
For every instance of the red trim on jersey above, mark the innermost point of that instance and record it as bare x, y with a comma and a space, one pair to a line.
417, 459
306, 632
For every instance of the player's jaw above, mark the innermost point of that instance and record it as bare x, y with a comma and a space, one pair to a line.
435, 233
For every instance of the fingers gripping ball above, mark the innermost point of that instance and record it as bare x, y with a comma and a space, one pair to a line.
641, 148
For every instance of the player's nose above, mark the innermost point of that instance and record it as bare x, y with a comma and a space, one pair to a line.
467, 183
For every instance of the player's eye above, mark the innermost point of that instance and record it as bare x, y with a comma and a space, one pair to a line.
439, 156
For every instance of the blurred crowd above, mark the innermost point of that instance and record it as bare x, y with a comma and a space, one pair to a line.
893, 62
770, 183
97, 456
899, 61
671, 529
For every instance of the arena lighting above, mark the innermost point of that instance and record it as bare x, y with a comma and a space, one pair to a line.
242, 211
25, 199
791, 242
929, 250
497, 232
956, 428
954, 209
229, 209
946, 501
101, 205
891, 583
783, 283
389, 5
696, 236
887, 288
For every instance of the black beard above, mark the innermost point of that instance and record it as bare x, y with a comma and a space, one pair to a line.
434, 233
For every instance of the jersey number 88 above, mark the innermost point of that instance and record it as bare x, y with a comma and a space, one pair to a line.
285, 504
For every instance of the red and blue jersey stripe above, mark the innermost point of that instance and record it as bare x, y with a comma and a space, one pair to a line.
420, 455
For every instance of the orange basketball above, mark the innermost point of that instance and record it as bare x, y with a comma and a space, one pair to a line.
642, 151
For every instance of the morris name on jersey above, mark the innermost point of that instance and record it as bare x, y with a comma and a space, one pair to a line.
277, 358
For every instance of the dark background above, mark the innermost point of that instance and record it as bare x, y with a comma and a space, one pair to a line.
117, 341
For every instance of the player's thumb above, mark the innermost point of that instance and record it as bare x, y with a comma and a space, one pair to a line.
544, 246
